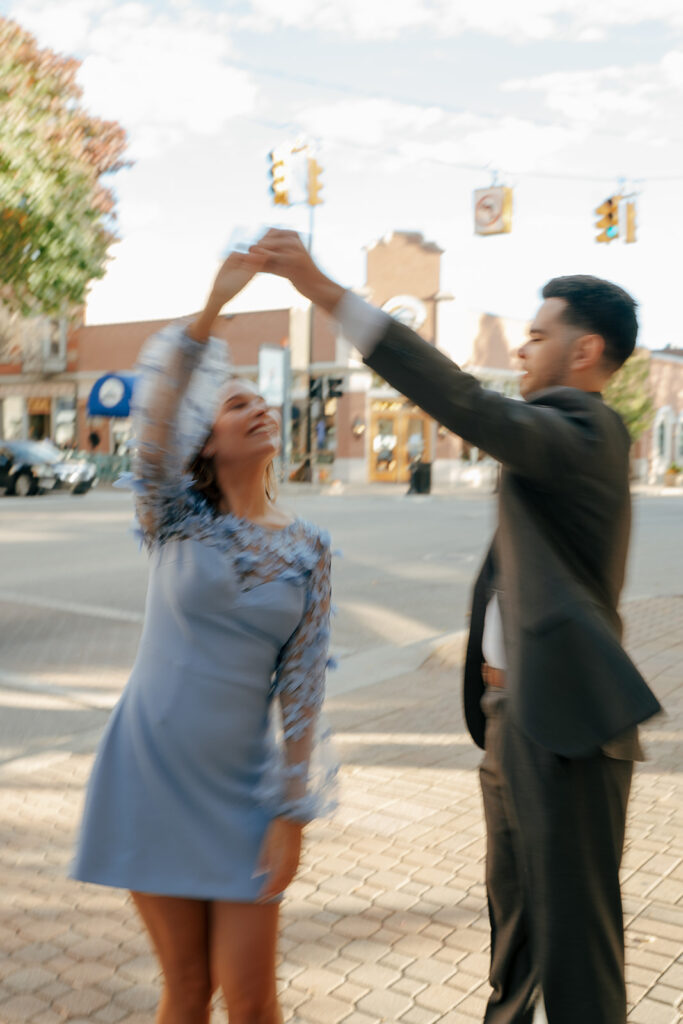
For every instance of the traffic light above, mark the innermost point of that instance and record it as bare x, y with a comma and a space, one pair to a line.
608, 219
335, 387
279, 172
315, 388
314, 182
630, 221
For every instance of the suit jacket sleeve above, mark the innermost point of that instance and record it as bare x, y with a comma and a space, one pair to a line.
538, 441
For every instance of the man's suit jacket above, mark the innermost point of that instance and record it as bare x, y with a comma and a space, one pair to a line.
559, 552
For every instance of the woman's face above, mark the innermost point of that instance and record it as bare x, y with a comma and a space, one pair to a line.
245, 429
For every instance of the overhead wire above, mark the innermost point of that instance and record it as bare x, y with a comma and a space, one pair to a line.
449, 109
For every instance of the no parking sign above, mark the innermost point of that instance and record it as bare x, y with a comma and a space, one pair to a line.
493, 210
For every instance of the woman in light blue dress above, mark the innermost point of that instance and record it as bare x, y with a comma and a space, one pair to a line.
211, 763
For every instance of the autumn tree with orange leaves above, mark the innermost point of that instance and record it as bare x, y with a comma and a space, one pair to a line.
57, 215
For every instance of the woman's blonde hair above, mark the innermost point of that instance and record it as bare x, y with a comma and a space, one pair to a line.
205, 479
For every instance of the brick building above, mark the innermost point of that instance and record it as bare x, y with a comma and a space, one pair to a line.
662, 445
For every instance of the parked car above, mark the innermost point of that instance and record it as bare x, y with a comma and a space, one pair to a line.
76, 474
26, 468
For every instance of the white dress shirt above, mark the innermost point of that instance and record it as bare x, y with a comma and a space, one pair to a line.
492, 642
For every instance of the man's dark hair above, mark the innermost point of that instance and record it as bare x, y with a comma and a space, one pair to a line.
598, 307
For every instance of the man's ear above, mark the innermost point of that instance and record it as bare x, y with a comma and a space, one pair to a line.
587, 352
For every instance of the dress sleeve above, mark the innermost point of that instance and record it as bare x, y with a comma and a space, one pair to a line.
306, 765
165, 367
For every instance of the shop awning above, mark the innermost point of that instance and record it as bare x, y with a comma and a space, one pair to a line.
111, 395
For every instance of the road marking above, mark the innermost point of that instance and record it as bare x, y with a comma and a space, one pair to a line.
388, 624
95, 700
54, 752
406, 739
97, 611
387, 661
355, 672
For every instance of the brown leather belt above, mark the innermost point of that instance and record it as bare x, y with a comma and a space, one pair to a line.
493, 676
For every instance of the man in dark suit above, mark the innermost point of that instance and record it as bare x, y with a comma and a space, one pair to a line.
550, 694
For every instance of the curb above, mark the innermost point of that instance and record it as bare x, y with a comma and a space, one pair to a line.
387, 661
656, 491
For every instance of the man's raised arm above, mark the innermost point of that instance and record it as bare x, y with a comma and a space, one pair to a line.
539, 441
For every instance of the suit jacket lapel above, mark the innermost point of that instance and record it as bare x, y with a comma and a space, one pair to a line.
474, 683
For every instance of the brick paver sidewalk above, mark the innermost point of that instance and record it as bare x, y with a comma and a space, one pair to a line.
387, 920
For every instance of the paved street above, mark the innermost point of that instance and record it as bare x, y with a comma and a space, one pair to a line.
406, 572
387, 920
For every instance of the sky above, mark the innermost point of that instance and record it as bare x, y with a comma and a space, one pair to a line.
410, 105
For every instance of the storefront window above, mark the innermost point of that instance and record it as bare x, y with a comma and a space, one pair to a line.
399, 436
64, 433
416, 439
121, 433
38, 410
384, 447
661, 438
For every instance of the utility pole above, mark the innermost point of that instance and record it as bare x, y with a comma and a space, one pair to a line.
313, 188
308, 455
284, 162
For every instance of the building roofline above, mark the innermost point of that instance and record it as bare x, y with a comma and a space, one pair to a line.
414, 237
170, 319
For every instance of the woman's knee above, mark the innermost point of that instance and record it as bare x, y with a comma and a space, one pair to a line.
188, 985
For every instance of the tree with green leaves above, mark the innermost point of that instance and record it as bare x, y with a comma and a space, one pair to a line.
57, 215
629, 393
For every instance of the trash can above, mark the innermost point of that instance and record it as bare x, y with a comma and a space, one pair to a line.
420, 478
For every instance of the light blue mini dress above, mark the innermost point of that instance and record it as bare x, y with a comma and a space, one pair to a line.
219, 727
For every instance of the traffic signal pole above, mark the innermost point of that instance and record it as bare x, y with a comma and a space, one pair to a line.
282, 187
308, 455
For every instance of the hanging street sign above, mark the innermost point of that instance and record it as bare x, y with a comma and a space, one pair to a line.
493, 210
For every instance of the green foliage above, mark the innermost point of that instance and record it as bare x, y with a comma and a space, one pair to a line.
56, 215
629, 393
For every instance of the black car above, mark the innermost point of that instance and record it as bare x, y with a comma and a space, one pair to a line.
26, 468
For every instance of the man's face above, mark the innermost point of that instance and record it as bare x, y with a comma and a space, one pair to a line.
546, 355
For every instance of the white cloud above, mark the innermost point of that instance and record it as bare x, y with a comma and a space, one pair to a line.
63, 27
402, 134
161, 75
509, 144
364, 19
588, 95
524, 19
640, 103
368, 121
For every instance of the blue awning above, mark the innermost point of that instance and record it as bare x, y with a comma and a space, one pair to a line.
111, 395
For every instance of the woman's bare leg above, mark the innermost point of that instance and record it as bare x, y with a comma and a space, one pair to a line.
179, 930
243, 947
